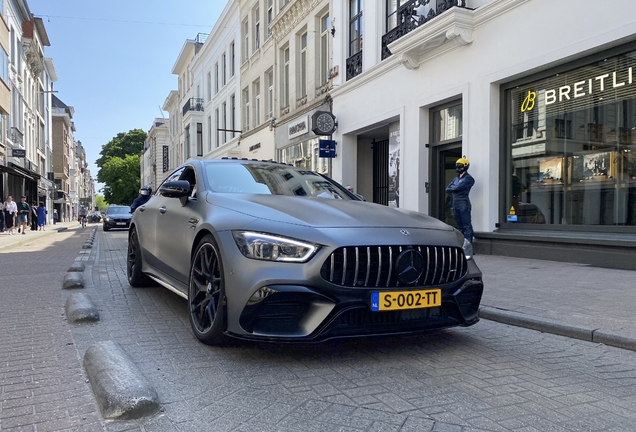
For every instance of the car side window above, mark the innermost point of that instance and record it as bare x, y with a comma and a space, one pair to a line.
172, 177
189, 175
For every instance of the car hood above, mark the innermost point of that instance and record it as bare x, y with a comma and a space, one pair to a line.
119, 215
324, 212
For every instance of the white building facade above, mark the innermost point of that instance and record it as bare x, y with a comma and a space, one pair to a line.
303, 76
216, 89
540, 96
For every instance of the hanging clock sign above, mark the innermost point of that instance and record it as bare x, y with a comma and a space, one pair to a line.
323, 123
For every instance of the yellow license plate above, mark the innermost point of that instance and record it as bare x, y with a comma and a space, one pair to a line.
395, 300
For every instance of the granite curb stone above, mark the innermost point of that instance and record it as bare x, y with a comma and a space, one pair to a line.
121, 390
77, 267
555, 327
80, 308
73, 280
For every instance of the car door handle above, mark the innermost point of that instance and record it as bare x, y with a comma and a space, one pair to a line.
162, 210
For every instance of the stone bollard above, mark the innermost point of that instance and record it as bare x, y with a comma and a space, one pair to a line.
80, 308
121, 391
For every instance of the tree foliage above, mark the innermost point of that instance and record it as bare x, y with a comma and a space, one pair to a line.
121, 179
100, 202
119, 166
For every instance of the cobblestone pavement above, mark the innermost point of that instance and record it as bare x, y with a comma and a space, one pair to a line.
489, 377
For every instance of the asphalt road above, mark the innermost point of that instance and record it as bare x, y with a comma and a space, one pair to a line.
489, 377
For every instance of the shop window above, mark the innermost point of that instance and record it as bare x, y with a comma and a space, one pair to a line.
571, 148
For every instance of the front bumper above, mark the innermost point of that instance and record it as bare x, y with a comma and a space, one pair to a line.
299, 313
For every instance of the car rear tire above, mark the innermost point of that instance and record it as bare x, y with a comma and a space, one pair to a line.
206, 293
136, 277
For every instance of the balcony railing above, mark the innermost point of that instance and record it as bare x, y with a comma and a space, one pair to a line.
354, 65
193, 104
408, 19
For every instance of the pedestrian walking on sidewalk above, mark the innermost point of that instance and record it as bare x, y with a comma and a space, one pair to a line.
2, 226
55, 216
23, 214
10, 210
34, 216
41, 216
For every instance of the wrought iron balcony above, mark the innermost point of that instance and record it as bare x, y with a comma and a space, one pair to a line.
354, 65
193, 104
408, 19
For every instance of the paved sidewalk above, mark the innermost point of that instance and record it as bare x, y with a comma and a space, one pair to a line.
18, 239
575, 300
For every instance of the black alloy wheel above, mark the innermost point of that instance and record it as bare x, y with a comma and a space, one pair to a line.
136, 277
206, 293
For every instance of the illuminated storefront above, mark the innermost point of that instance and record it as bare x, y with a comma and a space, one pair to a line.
570, 147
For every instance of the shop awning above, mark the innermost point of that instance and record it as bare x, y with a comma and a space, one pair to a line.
15, 171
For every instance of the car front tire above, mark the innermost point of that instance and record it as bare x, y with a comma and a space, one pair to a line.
105, 228
136, 277
206, 293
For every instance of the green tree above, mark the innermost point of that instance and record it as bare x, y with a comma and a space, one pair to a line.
119, 167
121, 177
100, 202
124, 144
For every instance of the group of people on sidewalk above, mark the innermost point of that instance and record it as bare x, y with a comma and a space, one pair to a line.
19, 214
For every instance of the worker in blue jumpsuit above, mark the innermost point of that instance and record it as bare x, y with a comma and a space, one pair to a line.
144, 195
459, 188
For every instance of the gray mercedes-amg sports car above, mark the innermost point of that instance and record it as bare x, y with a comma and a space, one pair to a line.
266, 251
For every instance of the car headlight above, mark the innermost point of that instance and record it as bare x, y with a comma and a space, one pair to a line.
466, 245
108, 219
270, 247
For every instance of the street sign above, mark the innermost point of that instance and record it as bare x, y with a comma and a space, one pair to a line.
326, 148
18, 153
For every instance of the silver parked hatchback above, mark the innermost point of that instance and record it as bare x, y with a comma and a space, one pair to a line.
267, 251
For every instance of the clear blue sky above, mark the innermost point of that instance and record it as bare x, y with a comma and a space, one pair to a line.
114, 59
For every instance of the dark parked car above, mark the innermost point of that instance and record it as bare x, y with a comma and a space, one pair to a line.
117, 216
266, 251
94, 217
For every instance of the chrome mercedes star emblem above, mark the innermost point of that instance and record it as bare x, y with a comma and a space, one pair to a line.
404, 232
409, 266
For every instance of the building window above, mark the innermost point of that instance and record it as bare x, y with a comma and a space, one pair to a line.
284, 88
186, 143
223, 69
224, 114
217, 122
270, 16
245, 30
257, 28
570, 145
209, 146
392, 7
325, 28
270, 94
216, 78
4, 66
283, 3
232, 114
256, 91
246, 109
355, 26
232, 59
302, 69
209, 87
199, 139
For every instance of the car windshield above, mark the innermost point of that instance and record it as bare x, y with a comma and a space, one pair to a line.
118, 209
271, 180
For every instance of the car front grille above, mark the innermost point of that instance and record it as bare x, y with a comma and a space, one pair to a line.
375, 266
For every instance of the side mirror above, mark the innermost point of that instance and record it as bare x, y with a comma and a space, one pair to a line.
175, 189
